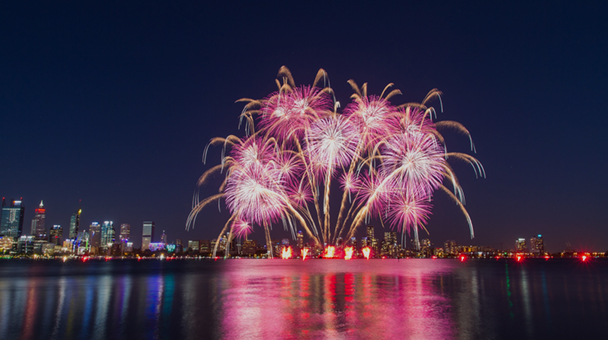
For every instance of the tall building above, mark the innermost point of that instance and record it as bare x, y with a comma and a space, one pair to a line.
520, 245
299, 240
95, 237
74, 224
450, 247
11, 223
38, 229
125, 232
56, 234
370, 232
537, 246
163, 238
147, 235
108, 234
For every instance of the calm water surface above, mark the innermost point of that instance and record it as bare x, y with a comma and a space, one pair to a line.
315, 299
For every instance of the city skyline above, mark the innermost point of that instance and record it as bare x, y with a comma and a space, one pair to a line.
98, 234
115, 107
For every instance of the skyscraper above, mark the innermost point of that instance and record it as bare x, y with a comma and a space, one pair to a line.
537, 246
163, 238
95, 237
125, 232
107, 234
74, 224
56, 234
11, 224
38, 228
300, 240
520, 245
147, 235
370, 232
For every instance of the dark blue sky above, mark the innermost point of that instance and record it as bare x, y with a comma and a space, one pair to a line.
113, 103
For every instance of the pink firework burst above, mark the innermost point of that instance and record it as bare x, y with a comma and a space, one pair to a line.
255, 188
413, 160
255, 194
241, 227
407, 210
332, 143
371, 115
290, 113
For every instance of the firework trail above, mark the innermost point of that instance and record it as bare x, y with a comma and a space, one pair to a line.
388, 160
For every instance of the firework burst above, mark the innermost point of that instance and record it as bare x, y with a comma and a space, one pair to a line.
389, 161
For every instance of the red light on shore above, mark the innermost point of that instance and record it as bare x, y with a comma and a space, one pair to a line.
584, 258
518, 258
434, 257
462, 258
546, 257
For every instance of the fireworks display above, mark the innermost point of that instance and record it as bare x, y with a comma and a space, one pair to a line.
383, 162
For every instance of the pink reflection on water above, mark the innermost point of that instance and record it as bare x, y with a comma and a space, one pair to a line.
329, 299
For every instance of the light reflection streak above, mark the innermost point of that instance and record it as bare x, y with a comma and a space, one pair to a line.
240, 299
390, 302
103, 290
525, 289
61, 285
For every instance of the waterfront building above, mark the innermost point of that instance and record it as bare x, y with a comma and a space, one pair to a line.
125, 232
147, 235
48, 249
537, 246
94, 237
74, 224
450, 248
300, 239
205, 247
56, 234
426, 249
364, 242
194, 245
353, 242
249, 247
370, 232
38, 228
25, 245
156, 246
128, 247
520, 245
6, 244
108, 235
11, 222
81, 244
163, 238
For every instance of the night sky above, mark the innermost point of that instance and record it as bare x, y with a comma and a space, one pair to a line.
113, 103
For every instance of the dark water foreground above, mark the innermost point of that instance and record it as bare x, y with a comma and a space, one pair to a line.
268, 299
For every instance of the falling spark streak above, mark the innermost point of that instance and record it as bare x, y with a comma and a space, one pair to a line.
389, 160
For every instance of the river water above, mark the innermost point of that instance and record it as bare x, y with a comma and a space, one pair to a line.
314, 299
